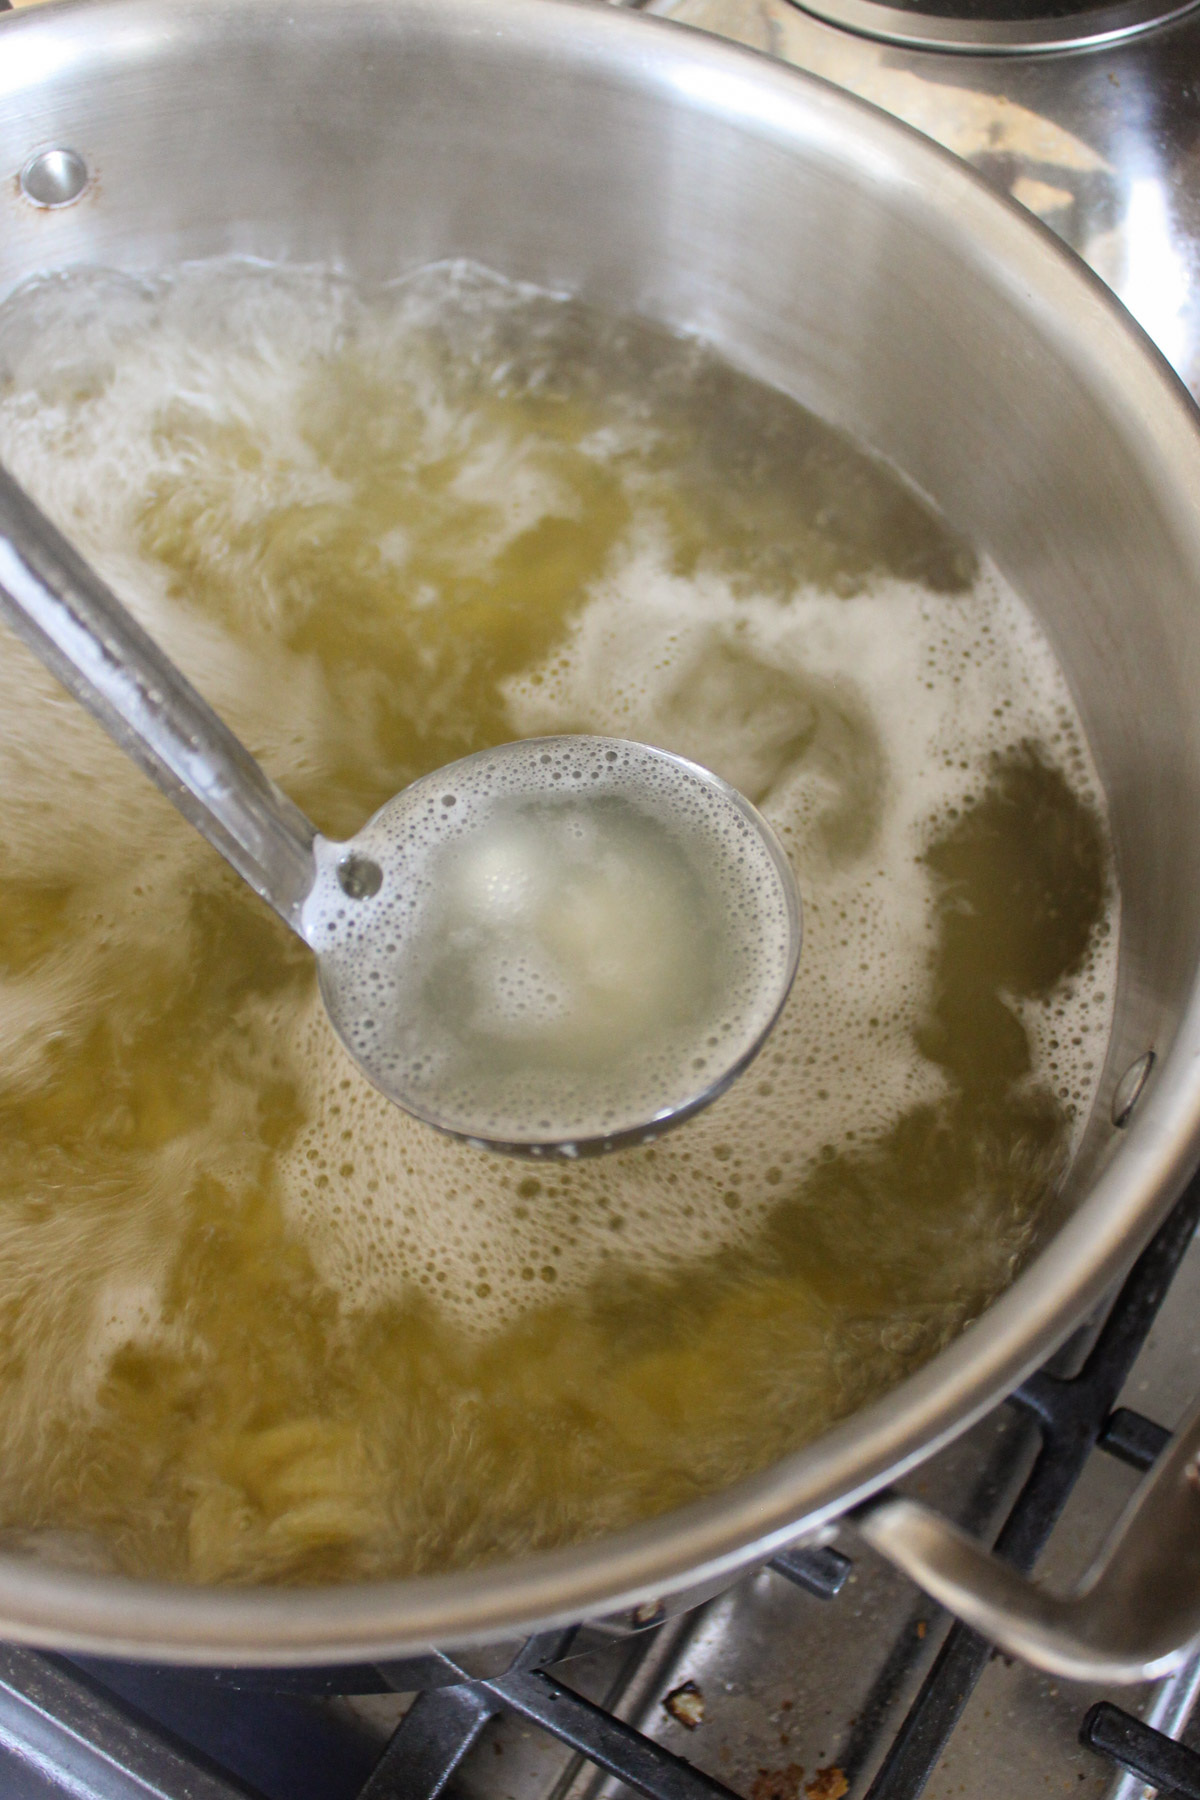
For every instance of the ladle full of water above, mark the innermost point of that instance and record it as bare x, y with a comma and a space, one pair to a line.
554, 947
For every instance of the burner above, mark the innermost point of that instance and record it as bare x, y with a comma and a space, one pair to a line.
997, 26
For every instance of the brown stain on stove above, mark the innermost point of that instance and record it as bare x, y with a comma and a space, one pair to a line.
778, 1784
784, 1784
829, 1783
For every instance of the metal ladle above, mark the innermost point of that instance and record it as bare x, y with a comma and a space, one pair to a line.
349, 901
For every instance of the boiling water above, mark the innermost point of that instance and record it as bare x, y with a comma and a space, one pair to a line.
254, 1322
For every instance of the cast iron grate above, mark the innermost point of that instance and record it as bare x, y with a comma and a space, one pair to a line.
1074, 1416
1154, 1758
128, 1732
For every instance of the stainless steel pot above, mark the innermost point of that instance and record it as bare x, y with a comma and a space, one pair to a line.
842, 257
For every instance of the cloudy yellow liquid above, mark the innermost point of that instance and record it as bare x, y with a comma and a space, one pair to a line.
255, 1324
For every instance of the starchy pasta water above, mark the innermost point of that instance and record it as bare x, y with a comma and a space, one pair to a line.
256, 1323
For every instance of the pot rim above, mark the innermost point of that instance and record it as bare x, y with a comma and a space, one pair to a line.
717, 1536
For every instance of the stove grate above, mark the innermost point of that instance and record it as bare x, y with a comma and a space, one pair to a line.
1154, 1758
1074, 1415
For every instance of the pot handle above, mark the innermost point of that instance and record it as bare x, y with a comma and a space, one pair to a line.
1134, 1616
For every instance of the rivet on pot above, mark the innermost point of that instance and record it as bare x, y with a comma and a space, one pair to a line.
1129, 1088
54, 177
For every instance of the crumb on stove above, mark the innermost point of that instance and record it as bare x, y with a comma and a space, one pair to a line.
686, 1705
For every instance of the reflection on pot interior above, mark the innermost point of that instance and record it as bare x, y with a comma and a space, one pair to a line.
255, 1323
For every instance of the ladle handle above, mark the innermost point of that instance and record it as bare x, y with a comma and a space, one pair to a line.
80, 630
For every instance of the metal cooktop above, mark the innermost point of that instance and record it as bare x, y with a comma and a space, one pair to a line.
1102, 143
826, 1676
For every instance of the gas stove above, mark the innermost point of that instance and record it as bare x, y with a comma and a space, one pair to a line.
824, 1676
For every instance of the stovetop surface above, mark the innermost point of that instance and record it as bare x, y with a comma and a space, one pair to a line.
1102, 144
